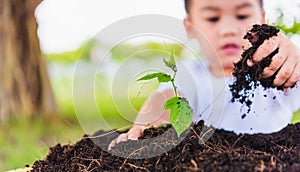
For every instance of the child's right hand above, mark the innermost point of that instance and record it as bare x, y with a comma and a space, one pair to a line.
133, 134
150, 115
136, 131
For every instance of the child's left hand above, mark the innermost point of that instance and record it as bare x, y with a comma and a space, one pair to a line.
286, 61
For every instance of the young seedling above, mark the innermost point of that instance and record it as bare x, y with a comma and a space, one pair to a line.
180, 111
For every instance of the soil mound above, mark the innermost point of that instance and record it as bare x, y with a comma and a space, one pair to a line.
223, 151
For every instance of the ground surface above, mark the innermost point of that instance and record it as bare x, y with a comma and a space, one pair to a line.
223, 151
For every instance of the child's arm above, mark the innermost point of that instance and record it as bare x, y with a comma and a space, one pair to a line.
151, 114
286, 61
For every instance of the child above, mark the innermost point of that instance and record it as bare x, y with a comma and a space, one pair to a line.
224, 23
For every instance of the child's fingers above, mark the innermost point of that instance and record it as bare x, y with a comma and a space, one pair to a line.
295, 76
112, 144
121, 138
277, 62
285, 72
268, 46
293, 65
246, 46
133, 134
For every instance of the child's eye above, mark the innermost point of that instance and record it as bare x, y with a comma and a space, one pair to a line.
213, 19
241, 17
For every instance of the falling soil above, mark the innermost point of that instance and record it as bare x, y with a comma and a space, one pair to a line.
249, 77
200, 149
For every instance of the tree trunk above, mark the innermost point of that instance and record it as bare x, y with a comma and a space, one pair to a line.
24, 83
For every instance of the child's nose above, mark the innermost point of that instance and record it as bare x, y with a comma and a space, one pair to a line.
228, 27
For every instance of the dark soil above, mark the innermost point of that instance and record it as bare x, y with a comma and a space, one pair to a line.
248, 78
223, 151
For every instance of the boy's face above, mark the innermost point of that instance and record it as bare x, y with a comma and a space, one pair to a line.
223, 23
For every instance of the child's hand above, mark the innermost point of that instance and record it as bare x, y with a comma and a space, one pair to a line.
150, 115
286, 61
137, 130
133, 134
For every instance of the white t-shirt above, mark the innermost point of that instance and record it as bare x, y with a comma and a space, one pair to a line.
210, 99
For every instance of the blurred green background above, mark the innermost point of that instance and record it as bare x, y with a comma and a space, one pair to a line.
26, 139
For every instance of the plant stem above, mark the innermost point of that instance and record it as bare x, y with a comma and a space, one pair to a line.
173, 84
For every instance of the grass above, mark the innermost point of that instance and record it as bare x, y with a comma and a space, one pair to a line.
26, 139
296, 117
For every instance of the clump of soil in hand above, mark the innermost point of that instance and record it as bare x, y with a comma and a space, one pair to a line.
247, 78
224, 151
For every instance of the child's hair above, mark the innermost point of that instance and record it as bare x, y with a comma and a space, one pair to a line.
187, 4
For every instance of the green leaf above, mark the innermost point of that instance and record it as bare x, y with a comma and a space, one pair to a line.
161, 77
181, 113
171, 62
